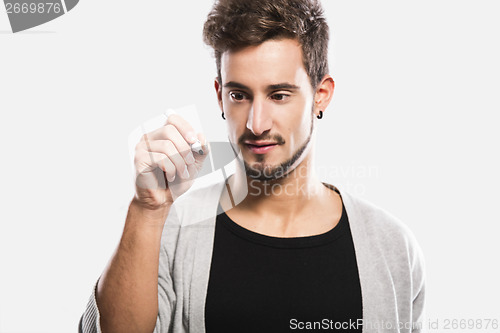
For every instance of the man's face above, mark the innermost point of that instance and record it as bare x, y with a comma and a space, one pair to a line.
267, 99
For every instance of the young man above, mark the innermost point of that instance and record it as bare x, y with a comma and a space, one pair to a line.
271, 248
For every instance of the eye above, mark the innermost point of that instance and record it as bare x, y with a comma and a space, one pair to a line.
237, 96
280, 97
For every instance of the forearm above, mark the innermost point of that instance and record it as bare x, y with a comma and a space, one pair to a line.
127, 292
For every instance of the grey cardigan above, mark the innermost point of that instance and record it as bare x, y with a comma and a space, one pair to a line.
390, 265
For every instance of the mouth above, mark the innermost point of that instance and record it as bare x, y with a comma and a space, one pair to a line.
260, 147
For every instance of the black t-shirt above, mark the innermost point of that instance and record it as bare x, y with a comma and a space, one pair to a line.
260, 283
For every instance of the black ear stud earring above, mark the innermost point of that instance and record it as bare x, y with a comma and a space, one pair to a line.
223, 116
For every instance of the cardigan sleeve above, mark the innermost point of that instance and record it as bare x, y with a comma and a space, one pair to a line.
418, 304
166, 295
90, 320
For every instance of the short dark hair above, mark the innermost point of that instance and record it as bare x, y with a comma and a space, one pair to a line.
234, 24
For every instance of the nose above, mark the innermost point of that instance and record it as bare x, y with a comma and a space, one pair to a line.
259, 118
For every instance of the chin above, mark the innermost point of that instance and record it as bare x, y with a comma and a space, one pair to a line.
266, 172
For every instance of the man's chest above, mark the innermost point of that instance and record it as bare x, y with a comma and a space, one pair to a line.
260, 284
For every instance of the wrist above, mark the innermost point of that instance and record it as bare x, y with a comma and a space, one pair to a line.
151, 205
148, 214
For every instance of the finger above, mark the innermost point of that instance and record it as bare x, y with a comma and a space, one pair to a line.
184, 128
180, 143
161, 146
168, 148
158, 134
148, 161
204, 146
168, 132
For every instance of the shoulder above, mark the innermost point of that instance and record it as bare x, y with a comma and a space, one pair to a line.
380, 229
376, 221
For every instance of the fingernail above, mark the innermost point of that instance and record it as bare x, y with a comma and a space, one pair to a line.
191, 136
185, 174
190, 158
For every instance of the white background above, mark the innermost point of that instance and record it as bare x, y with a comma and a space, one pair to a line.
413, 127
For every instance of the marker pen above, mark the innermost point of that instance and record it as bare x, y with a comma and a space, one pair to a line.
196, 147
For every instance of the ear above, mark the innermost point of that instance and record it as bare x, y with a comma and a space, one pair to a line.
324, 94
218, 91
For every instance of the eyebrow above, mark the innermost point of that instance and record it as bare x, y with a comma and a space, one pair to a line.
279, 86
